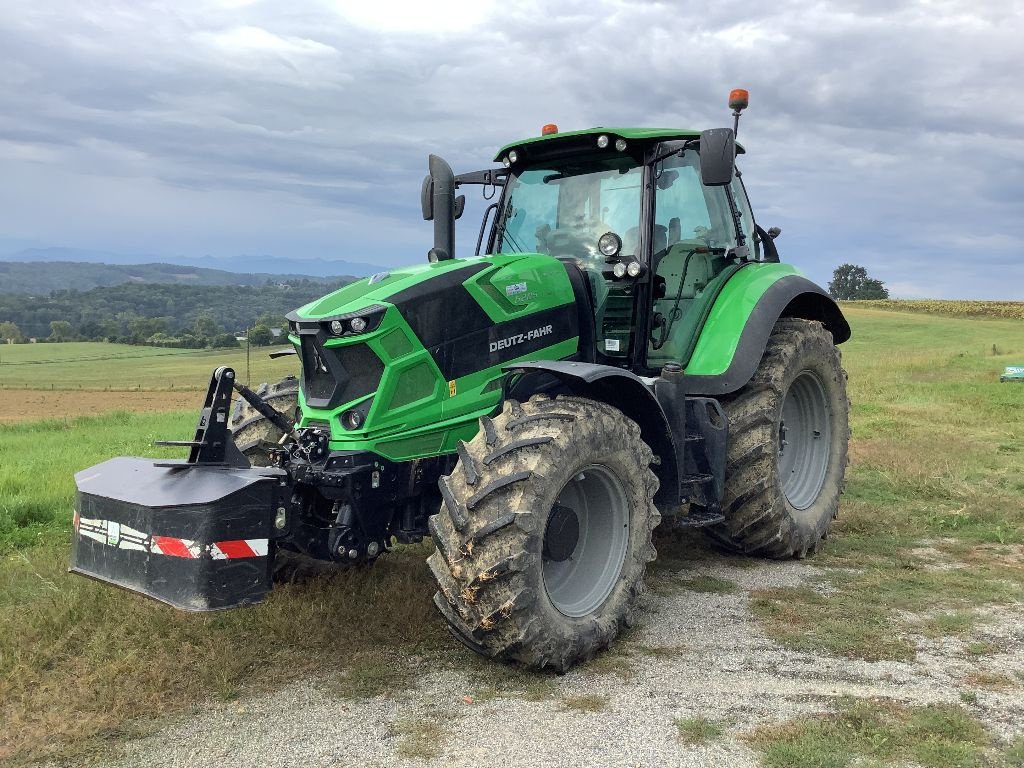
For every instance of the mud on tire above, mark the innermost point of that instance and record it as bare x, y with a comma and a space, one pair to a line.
760, 518
490, 533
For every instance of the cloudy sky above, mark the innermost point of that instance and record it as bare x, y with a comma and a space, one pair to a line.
880, 132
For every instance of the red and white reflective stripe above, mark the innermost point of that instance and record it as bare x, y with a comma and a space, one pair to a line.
120, 536
239, 548
172, 547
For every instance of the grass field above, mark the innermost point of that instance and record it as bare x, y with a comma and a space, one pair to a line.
937, 470
120, 367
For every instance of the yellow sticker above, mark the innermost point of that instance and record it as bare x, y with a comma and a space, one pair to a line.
451, 388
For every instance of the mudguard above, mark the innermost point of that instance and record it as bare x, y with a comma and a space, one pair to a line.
196, 537
737, 328
631, 395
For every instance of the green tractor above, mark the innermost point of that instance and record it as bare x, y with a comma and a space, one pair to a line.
626, 350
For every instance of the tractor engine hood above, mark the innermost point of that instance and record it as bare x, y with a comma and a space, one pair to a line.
400, 347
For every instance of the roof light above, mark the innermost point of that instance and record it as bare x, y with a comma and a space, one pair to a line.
738, 99
602, 141
620, 145
505, 161
513, 156
549, 129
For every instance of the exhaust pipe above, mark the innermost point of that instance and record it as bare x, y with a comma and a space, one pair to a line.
437, 199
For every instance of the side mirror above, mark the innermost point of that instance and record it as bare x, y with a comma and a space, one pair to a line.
427, 198
717, 156
460, 206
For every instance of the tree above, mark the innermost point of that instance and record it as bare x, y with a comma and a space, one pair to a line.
224, 340
60, 330
206, 326
850, 282
10, 333
260, 336
873, 289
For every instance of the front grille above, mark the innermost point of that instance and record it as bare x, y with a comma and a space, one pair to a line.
332, 376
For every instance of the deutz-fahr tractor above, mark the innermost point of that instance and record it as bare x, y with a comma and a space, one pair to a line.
625, 350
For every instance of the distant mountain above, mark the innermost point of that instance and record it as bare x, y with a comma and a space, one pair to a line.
28, 277
272, 265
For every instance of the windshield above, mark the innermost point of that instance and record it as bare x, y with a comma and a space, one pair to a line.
563, 208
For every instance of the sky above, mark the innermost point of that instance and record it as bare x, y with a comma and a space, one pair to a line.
883, 133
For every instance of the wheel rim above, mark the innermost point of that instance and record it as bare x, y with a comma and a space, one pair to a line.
805, 443
579, 576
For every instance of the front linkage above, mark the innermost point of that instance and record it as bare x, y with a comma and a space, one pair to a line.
202, 534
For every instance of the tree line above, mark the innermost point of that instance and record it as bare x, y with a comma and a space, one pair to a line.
158, 314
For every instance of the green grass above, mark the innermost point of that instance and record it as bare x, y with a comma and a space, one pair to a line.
875, 733
697, 730
101, 366
937, 457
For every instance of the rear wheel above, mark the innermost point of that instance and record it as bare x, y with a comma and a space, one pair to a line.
253, 434
545, 532
787, 450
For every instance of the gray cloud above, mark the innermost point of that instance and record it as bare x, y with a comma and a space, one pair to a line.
882, 133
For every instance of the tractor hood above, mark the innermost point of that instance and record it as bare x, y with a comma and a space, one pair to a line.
423, 344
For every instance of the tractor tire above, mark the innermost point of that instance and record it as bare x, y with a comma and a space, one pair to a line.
787, 447
544, 534
251, 432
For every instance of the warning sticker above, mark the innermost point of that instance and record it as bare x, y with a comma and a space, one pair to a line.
451, 388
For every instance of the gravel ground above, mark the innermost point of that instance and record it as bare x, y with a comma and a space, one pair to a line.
721, 667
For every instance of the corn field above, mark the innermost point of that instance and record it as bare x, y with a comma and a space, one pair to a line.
1013, 310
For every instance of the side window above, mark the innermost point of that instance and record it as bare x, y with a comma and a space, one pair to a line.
693, 231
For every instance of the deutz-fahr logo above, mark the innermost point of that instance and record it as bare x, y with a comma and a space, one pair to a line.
519, 338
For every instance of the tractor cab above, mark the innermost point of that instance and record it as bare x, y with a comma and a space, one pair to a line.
653, 236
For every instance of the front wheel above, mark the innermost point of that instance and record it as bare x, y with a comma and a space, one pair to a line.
787, 449
545, 532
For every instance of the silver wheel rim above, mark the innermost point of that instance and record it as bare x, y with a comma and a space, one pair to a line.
578, 585
805, 443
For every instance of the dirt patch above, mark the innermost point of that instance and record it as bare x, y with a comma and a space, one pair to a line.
35, 404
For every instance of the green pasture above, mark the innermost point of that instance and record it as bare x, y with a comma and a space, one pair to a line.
116, 367
937, 465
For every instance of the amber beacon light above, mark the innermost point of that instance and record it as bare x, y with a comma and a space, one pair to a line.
739, 98
548, 129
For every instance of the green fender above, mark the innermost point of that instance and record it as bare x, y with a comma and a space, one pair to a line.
740, 319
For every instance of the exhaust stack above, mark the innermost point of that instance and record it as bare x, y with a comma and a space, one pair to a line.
437, 199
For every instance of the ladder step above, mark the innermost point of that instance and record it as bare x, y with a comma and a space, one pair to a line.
698, 518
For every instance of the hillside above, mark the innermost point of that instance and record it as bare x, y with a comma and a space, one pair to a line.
30, 278
116, 311
321, 266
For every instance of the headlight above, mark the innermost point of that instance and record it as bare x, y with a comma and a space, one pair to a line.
358, 324
609, 244
619, 270
634, 269
337, 327
352, 419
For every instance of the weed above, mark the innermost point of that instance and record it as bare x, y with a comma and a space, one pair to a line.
697, 730
935, 736
419, 738
585, 703
709, 585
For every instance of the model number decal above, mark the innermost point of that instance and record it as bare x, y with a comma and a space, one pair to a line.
519, 338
